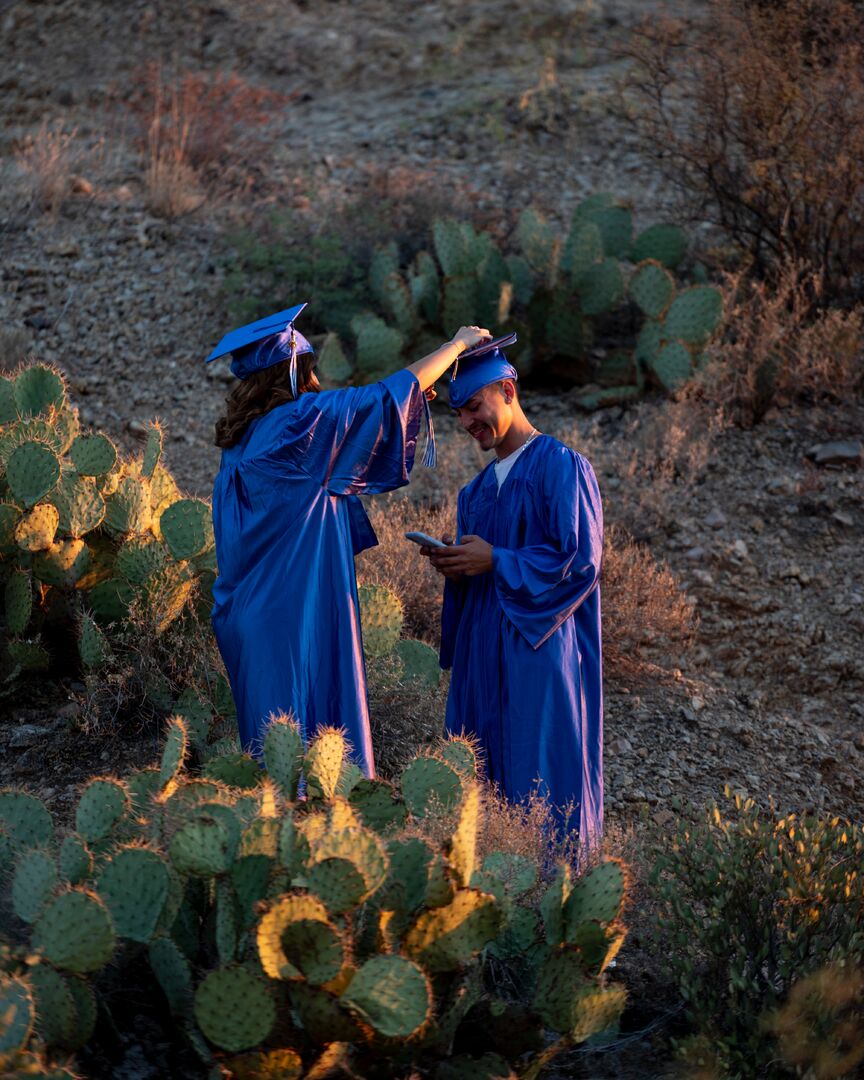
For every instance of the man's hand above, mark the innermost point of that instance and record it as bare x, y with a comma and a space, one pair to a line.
471, 557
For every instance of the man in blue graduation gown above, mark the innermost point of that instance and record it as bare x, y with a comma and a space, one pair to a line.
521, 615
288, 524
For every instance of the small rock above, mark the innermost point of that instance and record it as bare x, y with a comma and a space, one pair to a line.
27, 735
697, 704
841, 452
663, 817
619, 746
716, 519
739, 548
695, 554
137, 427
781, 485
842, 518
80, 185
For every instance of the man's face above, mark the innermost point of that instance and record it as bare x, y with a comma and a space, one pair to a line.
487, 415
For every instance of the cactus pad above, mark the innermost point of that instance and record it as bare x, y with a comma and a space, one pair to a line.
18, 601
694, 315
152, 450
672, 364
99, 809
234, 1009
25, 819
134, 886
517, 872
86, 1011
75, 860
29, 655
616, 228
37, 528
92, 643
109, 600
430, 784
333, 364
362, 849
652, 288
9, 515
338, 883
128, 509
409, 872
75, 932
207, 845
461, 753
63, 563
32, 471
566, 329
667, 244
17, 1011
536, 239
174, 751
237, 770
56, 1013
173, 974
450, 246
447, 937
322, 766
139, 558
569, 1003
381, 618
187, 528
597, 897
392, 995
38, 390
379, 347
295, 938
603, 288
79, 503
460, 301
283, 753
376, 803
93, 455
583, 250
8, 408
34, 882
419, 662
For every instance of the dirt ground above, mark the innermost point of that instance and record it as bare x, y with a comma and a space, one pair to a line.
766, 542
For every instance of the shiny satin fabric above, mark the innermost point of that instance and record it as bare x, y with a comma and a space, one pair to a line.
288, 524
524, 639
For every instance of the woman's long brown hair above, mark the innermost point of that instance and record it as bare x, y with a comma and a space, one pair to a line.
261, 392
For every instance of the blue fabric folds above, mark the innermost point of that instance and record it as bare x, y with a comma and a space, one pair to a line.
524, 639
288, 524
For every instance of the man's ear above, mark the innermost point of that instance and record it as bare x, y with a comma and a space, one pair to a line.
508, 389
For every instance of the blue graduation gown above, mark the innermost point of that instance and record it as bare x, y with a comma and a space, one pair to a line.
523, 640
288, 524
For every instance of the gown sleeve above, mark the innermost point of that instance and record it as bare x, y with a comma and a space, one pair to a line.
541, 585
359, 440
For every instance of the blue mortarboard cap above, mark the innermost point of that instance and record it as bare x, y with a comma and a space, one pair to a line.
262, 344
478, 367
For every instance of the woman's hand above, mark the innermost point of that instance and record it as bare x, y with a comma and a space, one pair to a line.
470, 557
468, 336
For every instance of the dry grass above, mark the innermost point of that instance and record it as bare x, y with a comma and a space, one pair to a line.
47, 161
15, 344
404, 719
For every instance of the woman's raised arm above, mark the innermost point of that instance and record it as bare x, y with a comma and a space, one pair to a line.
432, 367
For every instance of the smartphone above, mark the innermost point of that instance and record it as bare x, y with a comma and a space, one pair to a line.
424, 540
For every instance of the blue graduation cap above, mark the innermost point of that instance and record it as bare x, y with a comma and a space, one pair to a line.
478, 367
262, 344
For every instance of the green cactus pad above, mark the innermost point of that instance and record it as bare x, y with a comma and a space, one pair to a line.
30, 655
322, 766
398, 302
378, 805
419, 662
79, 503
152, 450
143, 786
63, 563
322, 1016
694, 315
566, 329
517, 872
75, 860
134, 886
338, 883
93, 455
667, 244
139, 558
173, 752
552, 905
92, 644
460, 302
38, 390
425, 287
17, 1012
25, 819
649, 342
34, 882
109, 600
429, 785
206, 846
226, 922
447, 937
519, 935
409, 873
75, 932
8, 408
381, 618
384, 262
536, 240
18, 602
86, 1011
451, 247
597, 897
379, 347
283, 754
392, 995
672, 364
37, 528
9, 517
594, 204
333, 364
652, 288
56, 1012
32, 471
578, 1011
616, 228
596, 946
128, 509
522, 278
173, 974
616, 369
360, 847
441, 887
461, 753
99, 809
583, 250
187, 528
602, 289
234, 1009
297, 927
463, 843
250, 876
236, 770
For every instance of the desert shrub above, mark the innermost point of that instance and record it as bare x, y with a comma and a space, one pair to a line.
258, 927
756, 114
778, 349
751, 907
46, 161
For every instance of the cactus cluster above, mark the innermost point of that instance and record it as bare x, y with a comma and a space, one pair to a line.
551, 290
382, 621
283, 931
83, 533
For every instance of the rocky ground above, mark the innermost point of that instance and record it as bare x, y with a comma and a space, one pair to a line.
765, 533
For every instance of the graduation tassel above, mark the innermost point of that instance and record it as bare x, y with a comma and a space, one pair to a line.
293, 365
430, 453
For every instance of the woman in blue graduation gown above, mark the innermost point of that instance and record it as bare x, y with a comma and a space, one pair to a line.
288, 524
